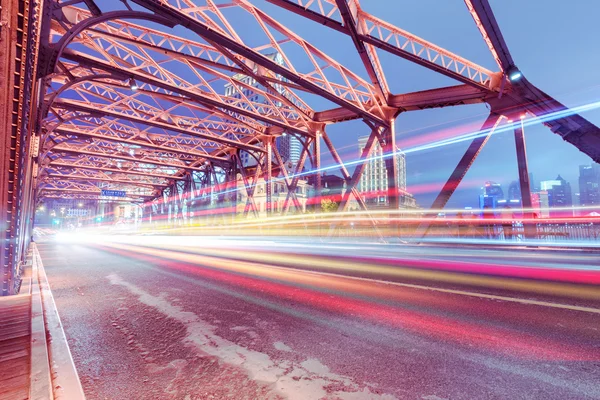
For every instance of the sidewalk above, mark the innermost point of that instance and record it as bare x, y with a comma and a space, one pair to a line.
35, 361
15, 346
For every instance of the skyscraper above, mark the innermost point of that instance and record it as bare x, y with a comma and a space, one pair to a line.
589, 185
514, 190
288, 145
373, 184
559, 195
533, 185
492, 194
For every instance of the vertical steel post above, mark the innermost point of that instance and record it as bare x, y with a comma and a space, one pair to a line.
530, 229
391, 166
233, 186
317, 169
389, 151
269, 174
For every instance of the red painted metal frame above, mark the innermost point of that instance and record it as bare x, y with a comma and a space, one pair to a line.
178, 118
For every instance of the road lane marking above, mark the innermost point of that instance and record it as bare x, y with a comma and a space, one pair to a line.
464, 293
183, 256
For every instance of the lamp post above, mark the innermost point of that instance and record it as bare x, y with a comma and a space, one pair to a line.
62, 219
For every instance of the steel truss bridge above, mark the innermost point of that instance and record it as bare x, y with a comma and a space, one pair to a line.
116, 99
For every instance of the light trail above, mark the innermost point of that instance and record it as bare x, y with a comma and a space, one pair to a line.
368, 300
508, 127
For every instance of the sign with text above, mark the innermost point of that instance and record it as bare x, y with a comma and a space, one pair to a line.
114, 193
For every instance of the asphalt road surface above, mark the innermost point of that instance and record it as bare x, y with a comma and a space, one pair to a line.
233, 319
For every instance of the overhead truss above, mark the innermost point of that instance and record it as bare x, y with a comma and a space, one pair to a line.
131, 105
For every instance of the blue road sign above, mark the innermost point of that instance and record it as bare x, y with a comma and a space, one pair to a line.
114, 193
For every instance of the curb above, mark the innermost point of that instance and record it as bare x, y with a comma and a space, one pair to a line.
40, 386
65, 383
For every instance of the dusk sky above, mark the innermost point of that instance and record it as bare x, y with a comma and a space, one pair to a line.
545, 39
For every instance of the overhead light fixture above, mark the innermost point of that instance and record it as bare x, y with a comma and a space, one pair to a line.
522, 116
284, 134
133, 84
514, 74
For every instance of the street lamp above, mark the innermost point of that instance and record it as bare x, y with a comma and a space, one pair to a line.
514, 74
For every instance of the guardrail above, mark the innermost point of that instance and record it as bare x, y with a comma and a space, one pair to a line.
387, 225
550, 230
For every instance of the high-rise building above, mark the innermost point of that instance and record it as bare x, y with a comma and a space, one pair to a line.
589, 185
288, 145
373, 184
544, 204
514, 191
491, 195
533, 184
559, 195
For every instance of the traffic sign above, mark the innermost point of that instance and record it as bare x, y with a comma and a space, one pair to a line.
114, 193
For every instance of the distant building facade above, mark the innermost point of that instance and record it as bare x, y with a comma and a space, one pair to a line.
514, 191
373, 184
304, 192
589, 185
492, 195
559, 196
288, 145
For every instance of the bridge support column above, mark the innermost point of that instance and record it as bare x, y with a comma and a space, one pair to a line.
528, 225
389, 152
317, 169
232, 185
268, 141
488, 128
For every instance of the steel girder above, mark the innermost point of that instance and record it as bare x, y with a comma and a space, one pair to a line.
87, 196
124, 115
169, 146
347, 17
110, 165
367, 29
103, 176
111, 150
205, 21
86, 186
573, 128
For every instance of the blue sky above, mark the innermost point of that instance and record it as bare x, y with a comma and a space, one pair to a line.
553, 42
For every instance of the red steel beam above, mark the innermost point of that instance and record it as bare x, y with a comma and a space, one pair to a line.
59, 163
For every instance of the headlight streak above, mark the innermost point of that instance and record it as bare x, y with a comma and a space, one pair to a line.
347, 296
